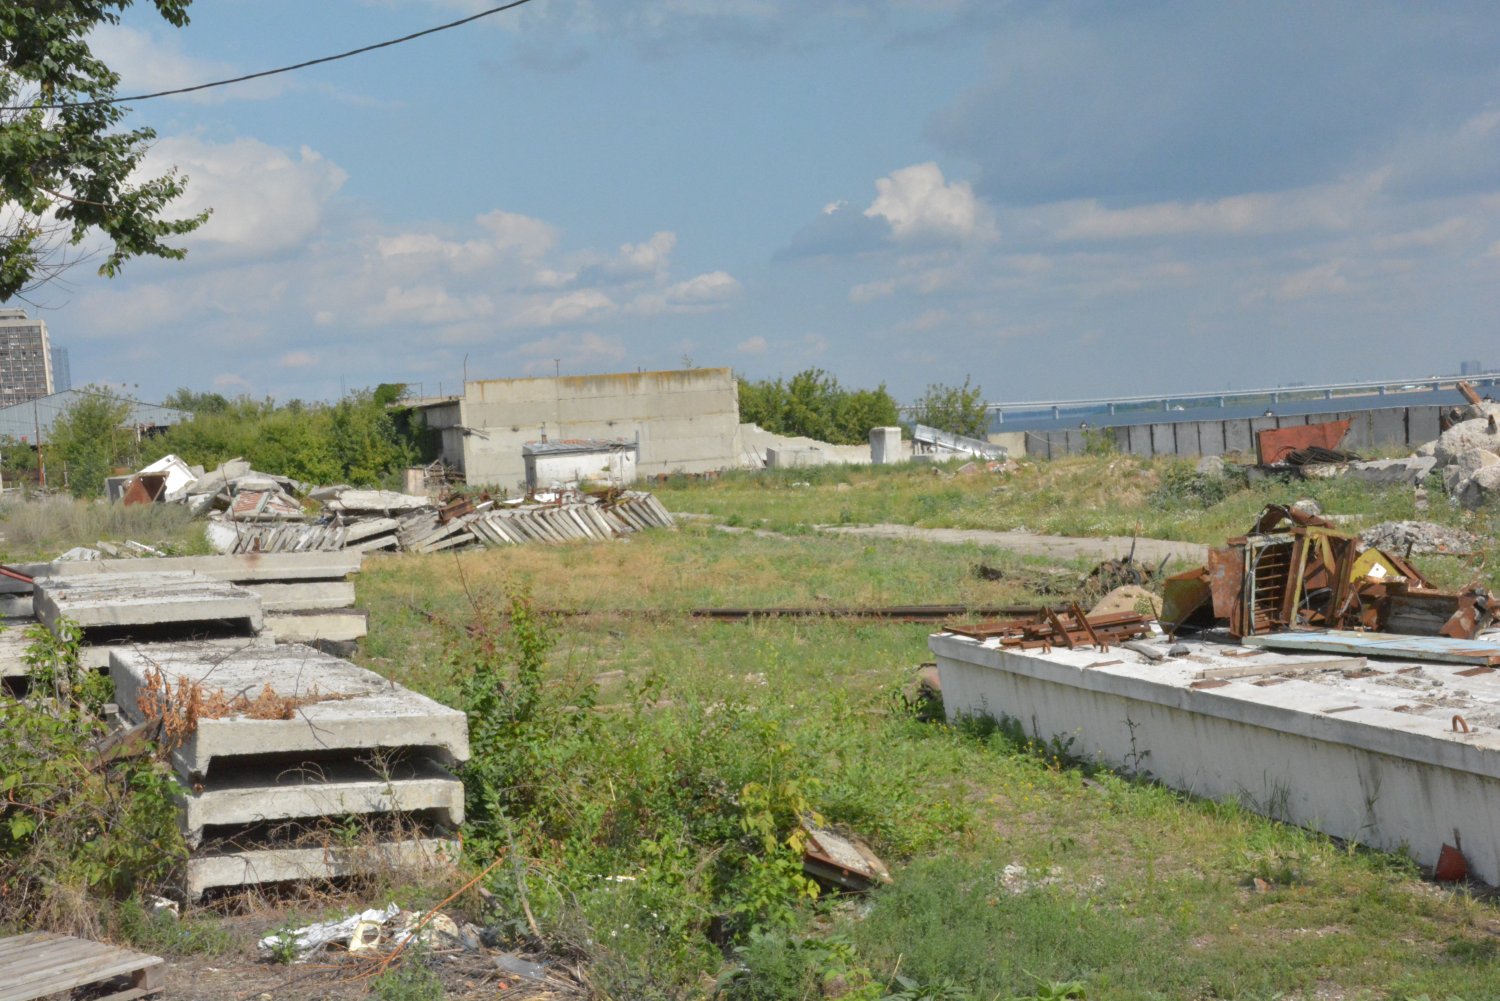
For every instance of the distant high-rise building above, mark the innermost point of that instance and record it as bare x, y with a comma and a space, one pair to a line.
62, 375
25, 358
1470, 368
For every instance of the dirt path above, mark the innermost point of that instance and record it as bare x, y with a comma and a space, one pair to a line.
1062, 547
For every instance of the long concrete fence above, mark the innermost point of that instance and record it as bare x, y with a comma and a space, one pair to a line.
1368, 430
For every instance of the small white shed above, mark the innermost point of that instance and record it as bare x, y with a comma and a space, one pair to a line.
562, 464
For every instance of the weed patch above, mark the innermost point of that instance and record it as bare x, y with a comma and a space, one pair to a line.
75, 829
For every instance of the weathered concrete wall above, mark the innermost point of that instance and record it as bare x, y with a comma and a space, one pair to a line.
1405, 427
1013, 442
685, 421
1375, 776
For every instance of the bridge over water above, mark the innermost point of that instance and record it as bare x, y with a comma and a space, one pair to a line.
1041, 415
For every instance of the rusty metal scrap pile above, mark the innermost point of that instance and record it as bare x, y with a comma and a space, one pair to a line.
1294, 571
1071, 628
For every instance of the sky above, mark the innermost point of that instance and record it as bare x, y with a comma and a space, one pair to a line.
1056, 200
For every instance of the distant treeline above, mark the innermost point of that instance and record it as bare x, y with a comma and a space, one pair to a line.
814, 405
359, 440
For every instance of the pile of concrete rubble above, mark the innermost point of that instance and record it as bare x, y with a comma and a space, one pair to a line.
1467, 454
254, 512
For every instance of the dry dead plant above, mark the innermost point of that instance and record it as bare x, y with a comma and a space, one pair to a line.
178, 708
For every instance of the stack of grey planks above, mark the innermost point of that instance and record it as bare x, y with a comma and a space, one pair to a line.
550, 524
304, 597
427, 531
359, 536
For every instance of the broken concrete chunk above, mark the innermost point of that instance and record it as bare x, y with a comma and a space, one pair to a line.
1464, 436
1394, 471
1211, 465
1427, 448
382, 501
1419, 537
1472, 460
1479, 489
1128, 598
842, 860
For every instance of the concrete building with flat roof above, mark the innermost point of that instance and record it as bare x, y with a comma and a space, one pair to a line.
25, 358
681, 421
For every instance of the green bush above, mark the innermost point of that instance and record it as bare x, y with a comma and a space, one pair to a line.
813, 404
1183, 486
75, 829
358, 440
955, 409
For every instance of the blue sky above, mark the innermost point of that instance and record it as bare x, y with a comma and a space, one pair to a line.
1055, 199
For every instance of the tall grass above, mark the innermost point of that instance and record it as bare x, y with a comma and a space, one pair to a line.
43, 527
1133, 890
1086, 495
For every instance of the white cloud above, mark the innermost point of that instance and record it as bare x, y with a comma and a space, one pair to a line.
1325, 279
714, 287
521, 234
870, 291
752, 346
918, 203
644, 259
1330, 207
700, 294
1435, 235
297, 359
428, 305
148, 63
570, 352
231, 380
570, 308
264, 200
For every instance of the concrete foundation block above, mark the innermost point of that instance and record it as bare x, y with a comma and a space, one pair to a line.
304, 596
793, 458
13, 645
359, 711
1332, 745
96, 656
144, 600
885, 446
283, 865
1407, 472
340, 625
250, 795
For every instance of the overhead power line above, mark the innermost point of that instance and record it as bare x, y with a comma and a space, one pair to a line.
280, 69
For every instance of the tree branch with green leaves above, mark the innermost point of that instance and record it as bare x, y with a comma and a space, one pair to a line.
69, 171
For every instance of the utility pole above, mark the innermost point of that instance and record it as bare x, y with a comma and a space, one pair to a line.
41, 464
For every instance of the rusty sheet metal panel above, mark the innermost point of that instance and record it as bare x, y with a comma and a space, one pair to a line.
146, 488
1182, 596
1226, 578
1274, 444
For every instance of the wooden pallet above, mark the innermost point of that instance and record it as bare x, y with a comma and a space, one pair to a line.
41, 963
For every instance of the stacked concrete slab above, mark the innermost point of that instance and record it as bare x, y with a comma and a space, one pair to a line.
146, 604
259, 794
305, 597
